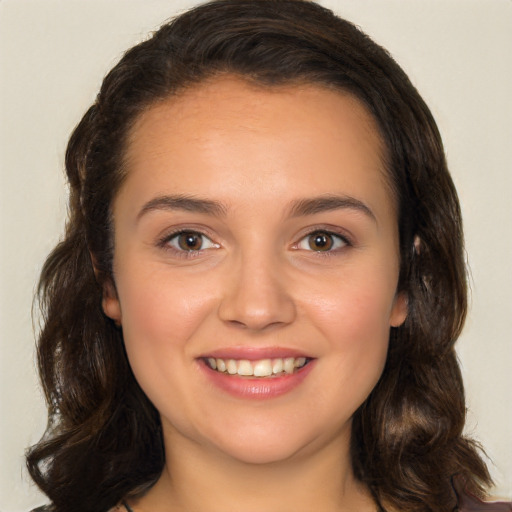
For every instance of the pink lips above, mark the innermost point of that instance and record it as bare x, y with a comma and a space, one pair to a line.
255, 387
254, 353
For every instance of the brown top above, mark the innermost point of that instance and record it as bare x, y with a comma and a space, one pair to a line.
467, 503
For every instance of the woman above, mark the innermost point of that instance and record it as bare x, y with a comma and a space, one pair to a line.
261, 282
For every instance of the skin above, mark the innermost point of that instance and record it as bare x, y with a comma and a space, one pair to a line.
256, 282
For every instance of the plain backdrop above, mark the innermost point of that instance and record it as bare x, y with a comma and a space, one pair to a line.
53, 55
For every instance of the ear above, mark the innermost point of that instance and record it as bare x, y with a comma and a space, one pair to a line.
110, 302
399, 310
417, 244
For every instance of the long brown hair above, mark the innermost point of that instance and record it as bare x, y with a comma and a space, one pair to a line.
103, 440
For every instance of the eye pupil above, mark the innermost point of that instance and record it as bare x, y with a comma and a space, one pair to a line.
190, 241
320, 242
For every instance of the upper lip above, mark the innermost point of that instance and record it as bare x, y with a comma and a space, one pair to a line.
254, 353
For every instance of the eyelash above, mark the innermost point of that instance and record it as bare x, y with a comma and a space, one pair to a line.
336, 239
165, 242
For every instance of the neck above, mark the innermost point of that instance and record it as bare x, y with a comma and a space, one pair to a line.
195, 478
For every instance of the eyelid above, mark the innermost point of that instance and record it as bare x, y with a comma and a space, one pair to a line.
331, 231
338, 242
163, 241
176, 236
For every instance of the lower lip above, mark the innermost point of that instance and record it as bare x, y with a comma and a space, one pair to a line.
259, 388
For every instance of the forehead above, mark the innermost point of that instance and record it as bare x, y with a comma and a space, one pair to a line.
229, 95
231, 130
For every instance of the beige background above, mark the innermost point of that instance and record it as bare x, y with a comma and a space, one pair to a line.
53, 55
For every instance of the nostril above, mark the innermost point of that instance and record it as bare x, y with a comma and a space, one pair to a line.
252, 300
237, 323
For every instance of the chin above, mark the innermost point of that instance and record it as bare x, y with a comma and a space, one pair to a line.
260, 453
269, 444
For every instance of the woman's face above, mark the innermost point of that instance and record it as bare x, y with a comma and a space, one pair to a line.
255, 231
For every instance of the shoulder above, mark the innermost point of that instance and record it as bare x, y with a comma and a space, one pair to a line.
121, 507
470, 503
117, 508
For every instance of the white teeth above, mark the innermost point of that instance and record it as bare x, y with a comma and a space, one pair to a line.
300, 361
277, 367
289, 365
245, 367
259, 368
231, 366
263, 368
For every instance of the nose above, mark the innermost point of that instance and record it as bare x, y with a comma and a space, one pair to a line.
256, 295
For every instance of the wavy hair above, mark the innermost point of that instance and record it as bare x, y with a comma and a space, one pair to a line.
103, 441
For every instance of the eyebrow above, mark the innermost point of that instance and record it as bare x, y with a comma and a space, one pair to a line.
327, 203
301, 207
183, 202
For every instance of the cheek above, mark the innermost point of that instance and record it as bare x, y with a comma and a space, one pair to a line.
159, 317
159, 307
354, 316
355, 308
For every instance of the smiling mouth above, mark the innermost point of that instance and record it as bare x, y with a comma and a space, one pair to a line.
260, 368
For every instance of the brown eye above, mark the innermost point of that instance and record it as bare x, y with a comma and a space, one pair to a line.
322, 241
190, 241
